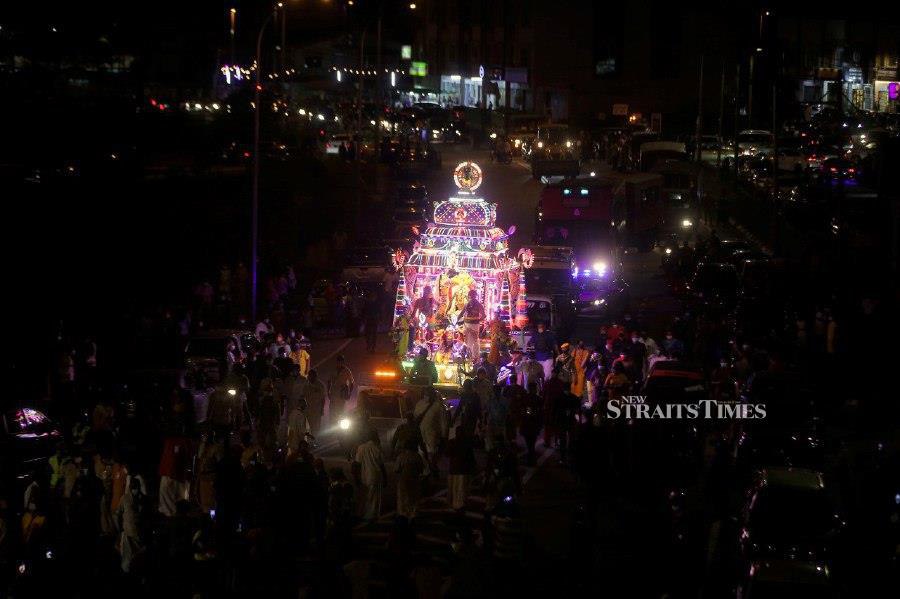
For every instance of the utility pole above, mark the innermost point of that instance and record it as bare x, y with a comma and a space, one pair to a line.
776, 229
283, 39
378, 72
737, 95
699, 130
357, 141
232, 16
750, 92
721, 115
485, 123
506, 60
254, 206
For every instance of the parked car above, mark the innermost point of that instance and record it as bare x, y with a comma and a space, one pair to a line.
789, 514
791, 159
334, 143
416, 160
711, 149
839, 169
780, 579
752, 142
28, 438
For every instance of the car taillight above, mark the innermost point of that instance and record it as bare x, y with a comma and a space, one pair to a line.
833, 169
851, 170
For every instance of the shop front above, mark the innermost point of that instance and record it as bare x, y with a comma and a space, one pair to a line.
489, 85
457, 90
857, 91
886, 89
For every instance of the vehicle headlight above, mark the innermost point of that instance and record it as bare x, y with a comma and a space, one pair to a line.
568, 144
676, 196
598, 302
232, 392
599, 267
493, 136
517, 142
668, 250
540, 144
344, 424
687, 223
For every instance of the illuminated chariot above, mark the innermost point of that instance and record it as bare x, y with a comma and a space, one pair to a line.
459, 292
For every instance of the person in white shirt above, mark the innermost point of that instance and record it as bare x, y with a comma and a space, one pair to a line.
371, 476
264, 328
432, 418
297, 429
340, 389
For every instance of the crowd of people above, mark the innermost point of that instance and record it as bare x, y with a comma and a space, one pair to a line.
219, 481
218, 477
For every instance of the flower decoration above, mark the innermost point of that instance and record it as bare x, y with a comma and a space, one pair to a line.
398, 259
526, 256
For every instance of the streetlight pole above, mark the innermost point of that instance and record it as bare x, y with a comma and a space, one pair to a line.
750, 92
721, 115
232, 15
737, 96
254, 206
379, 87
283, 40
356, 143
699, 131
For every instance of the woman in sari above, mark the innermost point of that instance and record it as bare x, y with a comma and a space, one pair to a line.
580, 359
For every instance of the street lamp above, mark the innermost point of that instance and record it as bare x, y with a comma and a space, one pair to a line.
254, 207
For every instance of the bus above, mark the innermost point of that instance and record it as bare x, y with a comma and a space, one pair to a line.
601, 216
679, 194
